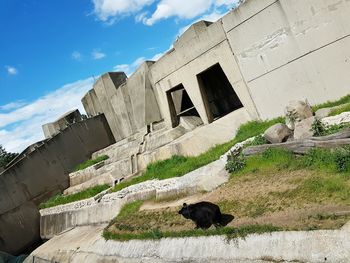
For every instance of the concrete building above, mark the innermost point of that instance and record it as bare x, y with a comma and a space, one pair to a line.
257, 58
54, 128
248, 65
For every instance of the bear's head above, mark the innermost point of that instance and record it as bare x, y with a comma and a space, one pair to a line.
185, 211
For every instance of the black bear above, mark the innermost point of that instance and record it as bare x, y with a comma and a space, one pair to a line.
204, 214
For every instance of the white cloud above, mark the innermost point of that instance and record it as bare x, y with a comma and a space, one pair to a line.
11, 70
212, 17
12, 105
22, 126
110, 10
178, 8
96, 54
229, 3
76, 55
130, 68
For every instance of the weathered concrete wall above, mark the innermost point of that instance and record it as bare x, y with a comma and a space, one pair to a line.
134, 103
105, 88
41, 174
199, 48
51, 129
291, 49
86, 244
91, 104
129, 104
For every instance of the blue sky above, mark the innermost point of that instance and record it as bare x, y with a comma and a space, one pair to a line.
50, 52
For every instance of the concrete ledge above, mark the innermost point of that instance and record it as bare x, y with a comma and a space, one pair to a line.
85, 244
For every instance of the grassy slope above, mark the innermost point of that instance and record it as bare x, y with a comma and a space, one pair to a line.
328, 104
344, 108
282, 183
89, 163
144, 231
65, 199
180, 165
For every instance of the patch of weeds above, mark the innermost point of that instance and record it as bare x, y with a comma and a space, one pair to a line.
318, 127
235, 162
89, 163
65, 199
332, 160
342, 159
258, 140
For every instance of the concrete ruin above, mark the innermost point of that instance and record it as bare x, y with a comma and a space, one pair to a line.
54, 128
246, 66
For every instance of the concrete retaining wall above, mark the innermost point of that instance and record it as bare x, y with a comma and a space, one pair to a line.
41, 174
86, 244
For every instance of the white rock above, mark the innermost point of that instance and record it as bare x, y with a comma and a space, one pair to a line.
297, 111
338, 119
277, 133
303, 129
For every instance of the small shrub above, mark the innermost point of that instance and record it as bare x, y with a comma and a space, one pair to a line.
342, 159
235, 162
259, 140
318, 128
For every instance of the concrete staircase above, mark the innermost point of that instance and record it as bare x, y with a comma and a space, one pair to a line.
131, 156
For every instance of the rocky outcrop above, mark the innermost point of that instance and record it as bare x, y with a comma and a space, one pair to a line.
277, 133
303, 129
297, 111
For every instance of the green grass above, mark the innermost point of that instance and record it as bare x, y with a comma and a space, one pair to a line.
89, 163
335, 161
181, 165
331, 181
328, 104
65, 199
344, 108
229, 232
143, 232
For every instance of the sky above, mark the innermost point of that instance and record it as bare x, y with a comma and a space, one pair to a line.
51, 52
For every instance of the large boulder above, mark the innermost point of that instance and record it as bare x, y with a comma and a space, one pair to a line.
277, 133
297, 111
303, 129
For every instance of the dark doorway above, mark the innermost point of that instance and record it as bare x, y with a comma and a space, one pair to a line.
217, 92
180, 104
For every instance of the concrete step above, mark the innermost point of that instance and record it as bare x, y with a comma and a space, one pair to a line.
109, 174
